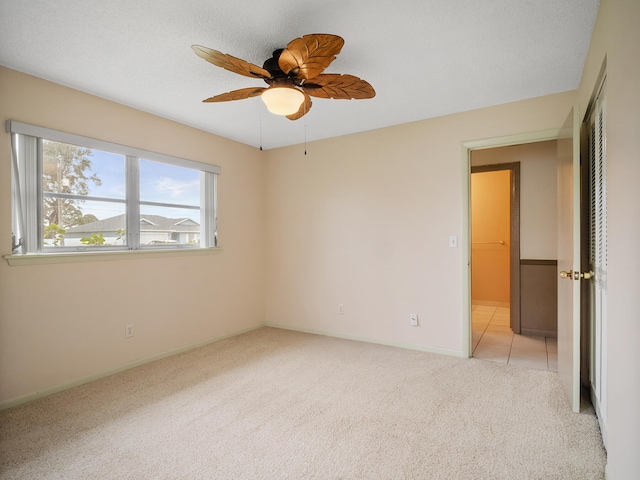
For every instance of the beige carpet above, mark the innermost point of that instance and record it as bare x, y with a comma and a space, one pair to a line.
275, 404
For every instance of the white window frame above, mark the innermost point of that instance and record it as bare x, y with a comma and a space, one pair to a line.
27, 194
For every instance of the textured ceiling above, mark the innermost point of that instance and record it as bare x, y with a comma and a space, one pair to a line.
425, 58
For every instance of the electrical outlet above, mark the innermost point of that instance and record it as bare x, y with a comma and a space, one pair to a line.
128, 332
414, 319
341, 309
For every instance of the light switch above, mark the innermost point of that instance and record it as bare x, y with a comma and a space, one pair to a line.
453, 241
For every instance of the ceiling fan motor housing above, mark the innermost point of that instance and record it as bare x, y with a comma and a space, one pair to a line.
278, 77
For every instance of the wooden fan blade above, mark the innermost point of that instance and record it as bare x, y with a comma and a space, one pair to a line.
339, 87
304, 108
308, 56
230, 63
236, 95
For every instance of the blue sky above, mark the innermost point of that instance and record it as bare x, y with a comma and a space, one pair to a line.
159, 182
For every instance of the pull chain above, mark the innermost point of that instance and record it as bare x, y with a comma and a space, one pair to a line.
260, 116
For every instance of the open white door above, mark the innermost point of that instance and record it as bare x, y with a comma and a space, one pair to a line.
569, 258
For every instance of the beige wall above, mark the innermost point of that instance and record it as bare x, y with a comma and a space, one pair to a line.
490, 224
538, 194
63, 323
617, 37
364, 221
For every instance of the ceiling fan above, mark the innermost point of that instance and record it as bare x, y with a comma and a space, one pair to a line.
294, 75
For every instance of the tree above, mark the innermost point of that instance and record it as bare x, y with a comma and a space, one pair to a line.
94, 239
55, 233
88, 218
120, 233
66, 169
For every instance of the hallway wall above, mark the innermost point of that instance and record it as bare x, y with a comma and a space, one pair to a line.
538, 198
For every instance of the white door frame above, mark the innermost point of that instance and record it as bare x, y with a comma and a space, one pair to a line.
465, 237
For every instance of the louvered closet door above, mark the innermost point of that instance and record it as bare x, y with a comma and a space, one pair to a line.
598, 255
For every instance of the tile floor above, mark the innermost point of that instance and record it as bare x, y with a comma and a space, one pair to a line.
494, 340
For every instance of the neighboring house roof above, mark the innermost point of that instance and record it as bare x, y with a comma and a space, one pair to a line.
148, 223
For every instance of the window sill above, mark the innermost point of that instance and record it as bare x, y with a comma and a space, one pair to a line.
75, 257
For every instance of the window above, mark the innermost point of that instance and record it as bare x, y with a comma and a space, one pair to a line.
77, 194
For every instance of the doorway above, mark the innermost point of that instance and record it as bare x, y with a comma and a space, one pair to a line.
495, 237
496, 267
479, 146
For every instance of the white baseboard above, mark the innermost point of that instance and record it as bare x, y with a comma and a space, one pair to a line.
65, 386
358, 338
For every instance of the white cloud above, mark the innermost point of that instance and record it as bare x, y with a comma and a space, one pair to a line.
176, 188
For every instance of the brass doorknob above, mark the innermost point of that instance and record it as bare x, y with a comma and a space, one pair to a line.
564, 274
571, 275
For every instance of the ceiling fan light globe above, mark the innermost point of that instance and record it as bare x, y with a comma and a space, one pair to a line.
282, 100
